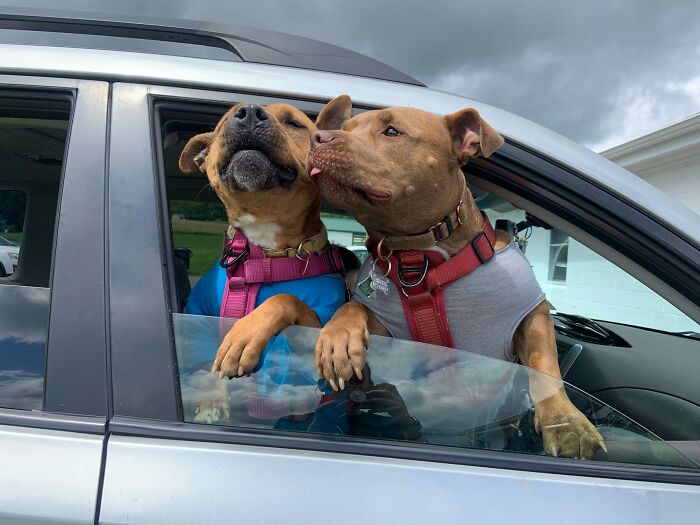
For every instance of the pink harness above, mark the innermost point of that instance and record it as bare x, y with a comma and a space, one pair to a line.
247, 269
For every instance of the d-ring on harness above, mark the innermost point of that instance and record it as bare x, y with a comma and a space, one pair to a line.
247, 269
423, 275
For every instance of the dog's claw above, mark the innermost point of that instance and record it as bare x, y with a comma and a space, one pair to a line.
333, 385
358, 373
341, 383
602, 446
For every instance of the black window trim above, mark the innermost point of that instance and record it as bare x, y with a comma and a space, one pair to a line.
53, 421
506, 167
70, 389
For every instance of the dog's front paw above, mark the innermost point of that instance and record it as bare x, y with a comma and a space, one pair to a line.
340, 352
566, 432
241, 348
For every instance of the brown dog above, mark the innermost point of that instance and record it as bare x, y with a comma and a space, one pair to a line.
398, 172
255, 159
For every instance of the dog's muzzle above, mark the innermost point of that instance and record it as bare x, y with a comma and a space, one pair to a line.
254, 141
253, 170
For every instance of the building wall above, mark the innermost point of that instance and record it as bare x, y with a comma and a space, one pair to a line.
680, 182
596, 288
341, 238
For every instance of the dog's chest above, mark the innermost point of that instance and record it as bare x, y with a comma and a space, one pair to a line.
483, 308
262, 234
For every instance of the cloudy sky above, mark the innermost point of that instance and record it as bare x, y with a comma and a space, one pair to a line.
600, 72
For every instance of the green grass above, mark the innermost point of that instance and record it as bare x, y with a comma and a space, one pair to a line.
205, 239
14, 237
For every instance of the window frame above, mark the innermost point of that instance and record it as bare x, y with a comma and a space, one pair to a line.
510, 166
75, 397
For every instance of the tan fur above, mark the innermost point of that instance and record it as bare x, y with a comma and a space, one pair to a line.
293, 213
418, 178
296, 209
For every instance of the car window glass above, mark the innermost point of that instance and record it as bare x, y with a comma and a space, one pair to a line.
33, 135
410, 392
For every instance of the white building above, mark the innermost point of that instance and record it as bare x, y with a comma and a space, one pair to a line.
668, 158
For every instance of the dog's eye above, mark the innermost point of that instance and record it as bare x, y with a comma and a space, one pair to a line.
293, 124
391, 132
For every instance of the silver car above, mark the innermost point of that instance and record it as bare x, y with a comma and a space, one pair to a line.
9, 257
108, 413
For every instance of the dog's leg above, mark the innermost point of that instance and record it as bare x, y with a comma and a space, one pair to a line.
340, 349
565, 430
240, 350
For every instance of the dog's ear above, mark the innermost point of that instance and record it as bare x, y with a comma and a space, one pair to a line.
471, 134
335, 113
195, 152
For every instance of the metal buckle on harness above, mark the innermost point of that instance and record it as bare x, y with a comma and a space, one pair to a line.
236, 257
423, 271
477, 250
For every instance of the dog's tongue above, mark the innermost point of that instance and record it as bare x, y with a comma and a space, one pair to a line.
315, 171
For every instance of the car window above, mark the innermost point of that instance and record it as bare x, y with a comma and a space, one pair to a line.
579, 281
33, 136
409, 392
197, 219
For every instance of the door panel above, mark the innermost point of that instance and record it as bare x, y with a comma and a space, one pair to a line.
50, 462
48, 476
188, 479
167, 481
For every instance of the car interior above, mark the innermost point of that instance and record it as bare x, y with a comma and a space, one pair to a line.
636, 370
32, 145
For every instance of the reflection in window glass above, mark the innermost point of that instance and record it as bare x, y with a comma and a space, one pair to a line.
409, 392
25, 315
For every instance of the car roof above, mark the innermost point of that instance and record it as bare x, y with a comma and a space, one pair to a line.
321, 86
240, 43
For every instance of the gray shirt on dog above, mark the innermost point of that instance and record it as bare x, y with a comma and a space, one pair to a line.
483, 308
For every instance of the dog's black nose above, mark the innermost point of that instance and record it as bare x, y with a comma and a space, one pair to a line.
250, 115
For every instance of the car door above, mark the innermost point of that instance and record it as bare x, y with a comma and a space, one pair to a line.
53, 396
281, 450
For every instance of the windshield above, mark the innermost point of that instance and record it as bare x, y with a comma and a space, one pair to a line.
409, 392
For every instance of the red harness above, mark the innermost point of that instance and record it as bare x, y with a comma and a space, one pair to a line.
247, 269
422, 275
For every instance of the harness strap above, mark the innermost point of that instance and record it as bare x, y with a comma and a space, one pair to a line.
421, 277
247, 269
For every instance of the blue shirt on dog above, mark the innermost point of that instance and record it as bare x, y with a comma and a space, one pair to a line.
324, 294
279, 367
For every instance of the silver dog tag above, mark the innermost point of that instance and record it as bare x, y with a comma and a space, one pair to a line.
373, 282
380, 282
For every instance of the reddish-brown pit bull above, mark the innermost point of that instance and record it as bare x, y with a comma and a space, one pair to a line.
398, 172
255, 159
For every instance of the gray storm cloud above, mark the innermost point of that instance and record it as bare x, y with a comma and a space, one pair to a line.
599, 73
